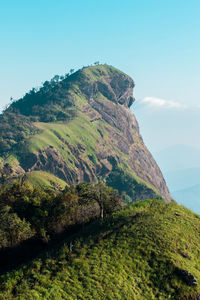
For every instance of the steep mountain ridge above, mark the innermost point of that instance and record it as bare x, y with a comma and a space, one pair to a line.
81, 129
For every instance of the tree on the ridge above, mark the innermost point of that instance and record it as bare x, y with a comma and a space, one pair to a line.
55, 78
107, 198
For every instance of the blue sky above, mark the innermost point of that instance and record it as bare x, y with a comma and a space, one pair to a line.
156, 42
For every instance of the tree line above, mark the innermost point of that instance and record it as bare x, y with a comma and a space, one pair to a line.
32, 212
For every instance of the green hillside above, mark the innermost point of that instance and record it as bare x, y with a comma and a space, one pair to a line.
140, 252
79, 128
44, 180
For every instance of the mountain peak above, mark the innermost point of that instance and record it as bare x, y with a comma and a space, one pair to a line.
57, 98
108, 81
80, 128
103, 70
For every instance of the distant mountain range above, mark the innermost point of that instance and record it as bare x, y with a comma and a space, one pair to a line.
180, 165
189, 197
174, 127
182, 179
178, 157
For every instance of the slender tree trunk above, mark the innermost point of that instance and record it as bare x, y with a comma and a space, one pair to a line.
101, 212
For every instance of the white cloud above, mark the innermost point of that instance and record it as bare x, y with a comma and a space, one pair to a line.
163, 103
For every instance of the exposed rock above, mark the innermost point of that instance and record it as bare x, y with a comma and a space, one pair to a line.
9, 171
108, 95
119, 90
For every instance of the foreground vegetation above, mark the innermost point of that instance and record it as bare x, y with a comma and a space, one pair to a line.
136, 253
27, 211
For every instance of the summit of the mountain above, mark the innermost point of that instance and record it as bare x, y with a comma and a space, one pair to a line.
80, 128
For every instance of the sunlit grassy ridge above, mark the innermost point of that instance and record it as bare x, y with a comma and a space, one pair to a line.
131, 255
78, 131
63, 136
45, 179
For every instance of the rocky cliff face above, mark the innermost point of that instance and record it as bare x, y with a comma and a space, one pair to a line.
102, 137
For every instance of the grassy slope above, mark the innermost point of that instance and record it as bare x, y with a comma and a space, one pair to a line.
45, 179
93, 71
79, 131
132, 255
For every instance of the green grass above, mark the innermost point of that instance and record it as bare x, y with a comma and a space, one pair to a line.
77, 131
45, 179
131, 255
95, 72
11, 160
59, 135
